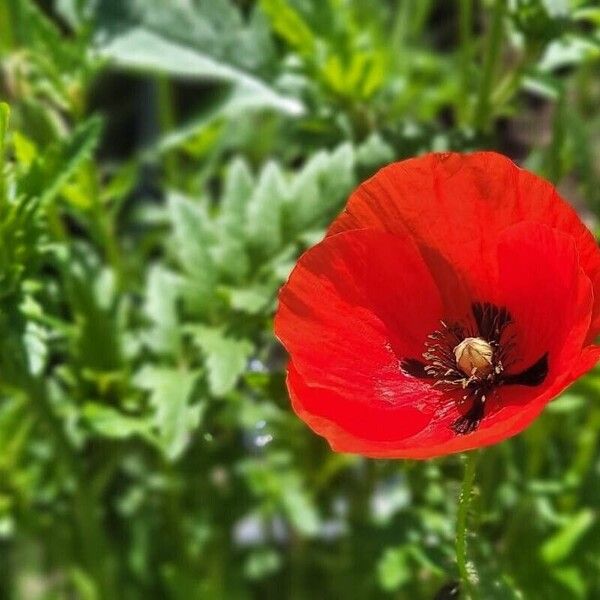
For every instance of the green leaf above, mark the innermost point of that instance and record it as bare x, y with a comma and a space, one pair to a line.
4, 115
192, 241
110, 422
84, 584
141, 49
230, 257
318, 190
262, 563
299, 506
567, 52
374, 152
53, 168
162, 290
251, 300
225, 357
238, 188
170, 394
561, 544
25, 149
393, 570
573, 579
290, 25
35, 340
15, 429
263, 213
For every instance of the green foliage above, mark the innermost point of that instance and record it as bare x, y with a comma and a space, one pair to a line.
162, 166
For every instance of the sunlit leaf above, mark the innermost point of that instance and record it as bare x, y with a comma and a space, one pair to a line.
225, 357
175, 417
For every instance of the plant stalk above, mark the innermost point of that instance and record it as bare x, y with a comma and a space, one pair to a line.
464, 504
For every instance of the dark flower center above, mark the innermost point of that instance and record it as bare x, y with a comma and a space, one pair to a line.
472, 360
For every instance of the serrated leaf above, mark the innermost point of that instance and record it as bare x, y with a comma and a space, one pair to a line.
306, 202
170, 394
340, 175
374, 152
263, 213
162, 290
225, 357
193, 238
238, 188
230, 257
318, 190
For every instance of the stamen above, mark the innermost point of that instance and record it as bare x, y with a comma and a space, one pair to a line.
469, 422
474, 358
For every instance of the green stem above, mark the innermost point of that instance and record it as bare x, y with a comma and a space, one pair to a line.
400, 33
4, 115
466, 45
464, 503
166, 120
482, 111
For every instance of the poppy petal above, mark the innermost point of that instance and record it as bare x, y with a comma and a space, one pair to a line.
355, 305
455, 206
550, 299
351, 426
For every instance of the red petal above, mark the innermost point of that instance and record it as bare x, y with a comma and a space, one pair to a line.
548, 295
550, 298
588, 360
455, 206
354, 306
350, 425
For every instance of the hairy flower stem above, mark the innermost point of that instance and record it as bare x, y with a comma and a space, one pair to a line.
464, 503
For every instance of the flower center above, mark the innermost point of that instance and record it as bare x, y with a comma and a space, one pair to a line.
474, 357
471, 359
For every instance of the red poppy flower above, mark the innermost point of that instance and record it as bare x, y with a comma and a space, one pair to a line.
454, 297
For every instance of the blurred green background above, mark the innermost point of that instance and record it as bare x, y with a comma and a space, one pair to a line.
162, 165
